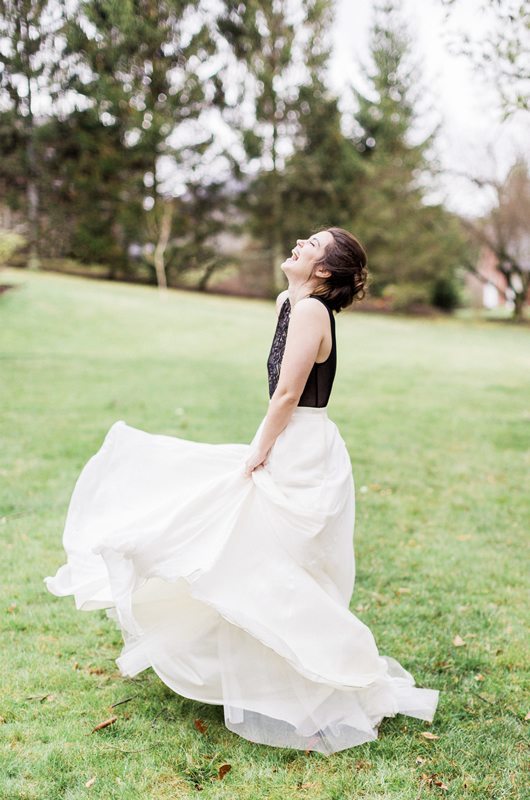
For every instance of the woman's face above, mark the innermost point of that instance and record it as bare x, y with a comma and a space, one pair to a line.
303, 257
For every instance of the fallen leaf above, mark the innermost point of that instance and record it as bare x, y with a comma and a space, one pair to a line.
223, 769
403, 590
90, 783
458, 641
11, 608
96, 670
420, 760
429, 735
433, 780
479, 677
527, 717
75, 665
201, 727
105, 724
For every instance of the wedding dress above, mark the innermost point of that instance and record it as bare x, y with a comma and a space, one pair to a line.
235, 589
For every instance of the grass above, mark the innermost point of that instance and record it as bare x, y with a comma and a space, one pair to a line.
436, 418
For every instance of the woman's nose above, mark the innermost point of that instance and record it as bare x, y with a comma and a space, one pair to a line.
299, 241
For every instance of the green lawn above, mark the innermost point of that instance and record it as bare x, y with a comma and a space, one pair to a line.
436, 416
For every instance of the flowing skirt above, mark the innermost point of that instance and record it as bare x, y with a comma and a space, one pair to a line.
235, 589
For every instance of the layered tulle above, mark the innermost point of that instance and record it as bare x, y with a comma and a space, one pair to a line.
235, 589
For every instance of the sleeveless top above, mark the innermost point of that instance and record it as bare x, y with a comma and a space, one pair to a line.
320, 380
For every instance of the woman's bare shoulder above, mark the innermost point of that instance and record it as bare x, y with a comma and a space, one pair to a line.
281, 299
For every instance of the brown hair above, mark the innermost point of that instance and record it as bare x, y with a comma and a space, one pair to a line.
346, 259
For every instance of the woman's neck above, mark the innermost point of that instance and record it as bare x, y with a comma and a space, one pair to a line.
296, 293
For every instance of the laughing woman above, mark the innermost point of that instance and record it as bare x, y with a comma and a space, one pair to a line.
229, 568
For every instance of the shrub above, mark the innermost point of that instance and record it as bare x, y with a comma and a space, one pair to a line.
10, 242
408, 297
445, 294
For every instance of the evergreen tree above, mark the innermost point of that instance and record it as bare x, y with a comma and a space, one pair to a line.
322, 175
96, 198
28, 49
262, 37
143, 60
200, 217
410, 243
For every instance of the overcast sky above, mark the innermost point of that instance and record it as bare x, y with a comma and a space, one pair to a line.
467, 106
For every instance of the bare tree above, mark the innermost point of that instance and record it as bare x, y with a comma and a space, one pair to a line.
505, 230
501, 54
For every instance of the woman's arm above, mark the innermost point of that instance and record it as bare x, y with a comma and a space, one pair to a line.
304, 336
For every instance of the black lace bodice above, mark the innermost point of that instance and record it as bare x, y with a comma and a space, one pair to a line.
320, 380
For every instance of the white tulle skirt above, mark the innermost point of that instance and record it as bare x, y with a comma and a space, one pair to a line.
234, 589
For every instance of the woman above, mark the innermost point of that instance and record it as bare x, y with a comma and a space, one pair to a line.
229, 568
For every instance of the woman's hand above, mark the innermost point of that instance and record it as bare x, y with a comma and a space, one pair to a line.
257, 458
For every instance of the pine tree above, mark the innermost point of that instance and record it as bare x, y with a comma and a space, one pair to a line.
262, 37
28, 48
96, 190
321, 177
143, 59
411, 245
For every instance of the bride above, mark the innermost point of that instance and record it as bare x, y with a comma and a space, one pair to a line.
229, 568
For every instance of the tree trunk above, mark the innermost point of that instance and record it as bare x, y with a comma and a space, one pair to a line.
161, 245
519, 301
209, 269
277, 276
520, 291
32, 192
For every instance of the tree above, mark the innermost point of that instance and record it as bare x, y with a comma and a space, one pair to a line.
95, 189
505, 231
320, 177
188, 244
28, 50
269, 41
410, 242
139, 65
501, 55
